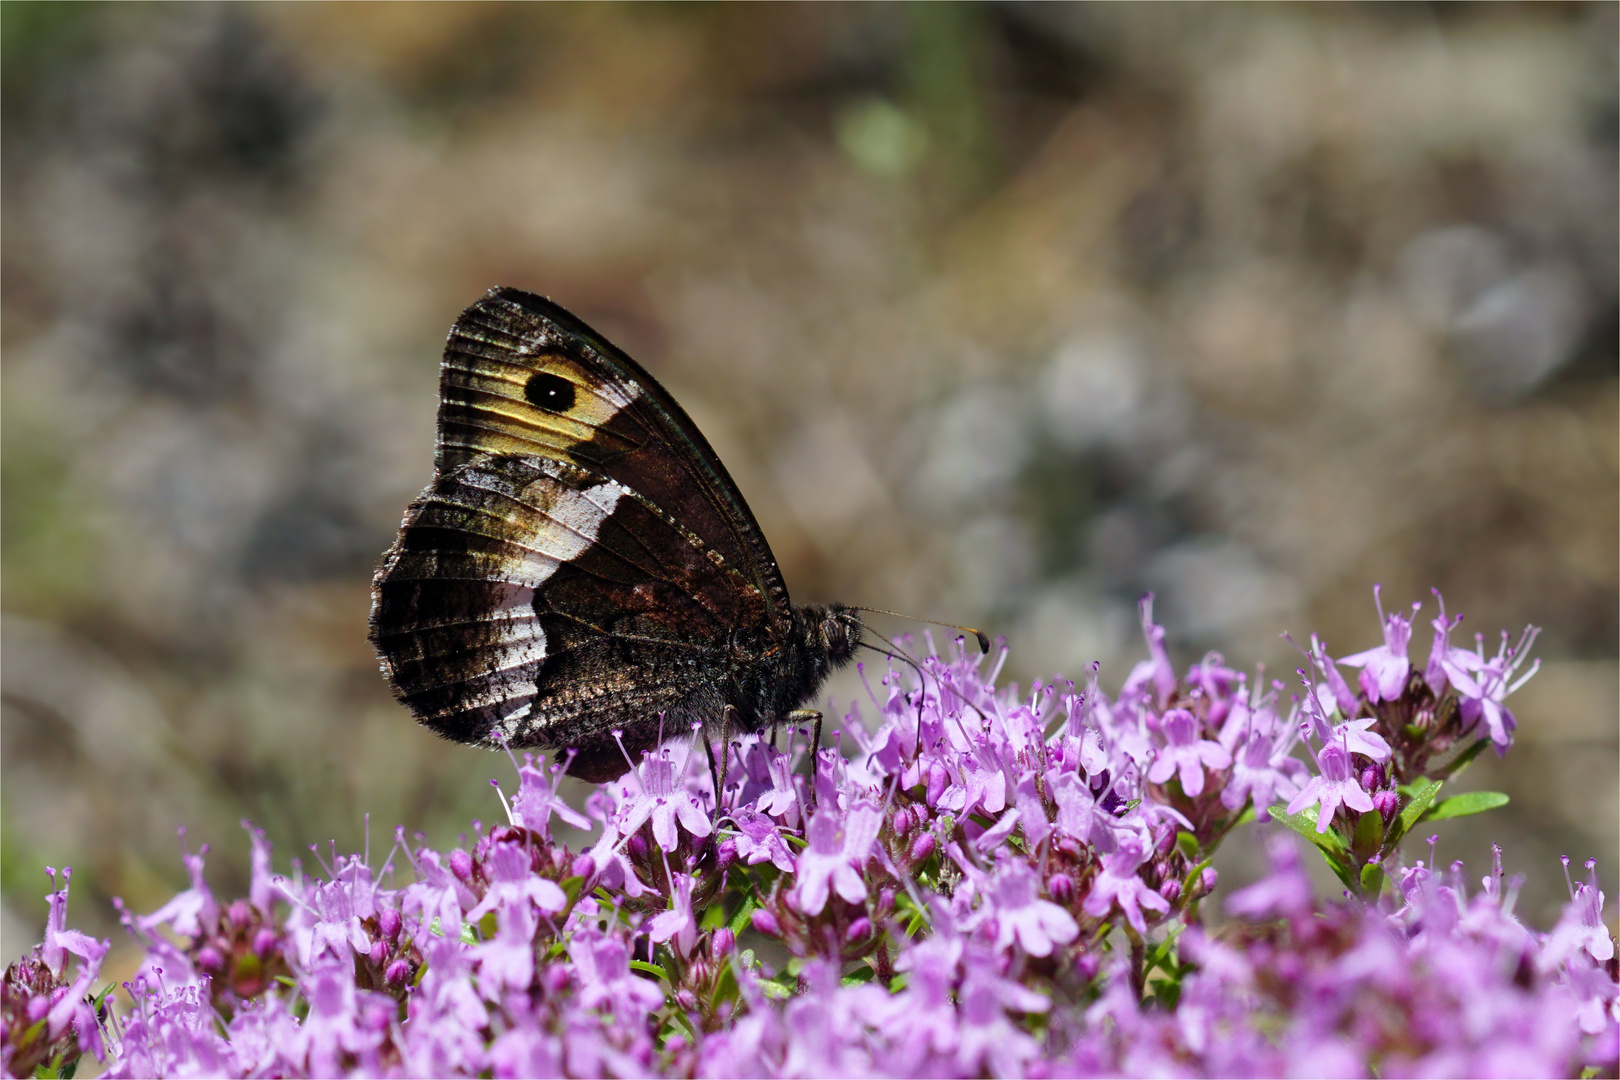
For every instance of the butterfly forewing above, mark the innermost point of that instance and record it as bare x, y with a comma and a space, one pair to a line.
513, 358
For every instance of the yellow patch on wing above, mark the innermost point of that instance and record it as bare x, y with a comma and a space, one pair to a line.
491, 399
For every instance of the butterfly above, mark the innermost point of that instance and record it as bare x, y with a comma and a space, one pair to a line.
582, 573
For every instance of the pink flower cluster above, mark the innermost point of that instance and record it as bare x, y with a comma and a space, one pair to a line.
971, 880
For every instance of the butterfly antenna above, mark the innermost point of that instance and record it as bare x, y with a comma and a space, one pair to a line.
978, 635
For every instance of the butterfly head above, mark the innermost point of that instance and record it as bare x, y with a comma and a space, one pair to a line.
837, 629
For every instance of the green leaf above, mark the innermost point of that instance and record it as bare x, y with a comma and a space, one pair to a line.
1462, 760
1372, 880
1187, 843
1304, 823
1246, 817
649, 969
1369, 835
773, 988
1470, 802
714, 917
1420, 794
744, 916
859, 977
571, 887
1329, 843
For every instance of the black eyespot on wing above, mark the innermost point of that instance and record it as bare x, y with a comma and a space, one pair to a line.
552, 393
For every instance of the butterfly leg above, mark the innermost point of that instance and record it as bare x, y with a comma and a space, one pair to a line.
714, 773
798, 716
726, 726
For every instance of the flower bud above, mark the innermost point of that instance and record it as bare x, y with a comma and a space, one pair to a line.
1061, 888
1207, 880
461, 864
721, 942
686, 999
209, 959
379, 952
1087, 965
1371, 778
555, 978
1386, 803
584, 866
904, 821
725, 854
859, 930
1167, 843
240, 914
264, 942
766, 923
397, 971
922, 847
637, 847
885, 902
1171, 889
388, 921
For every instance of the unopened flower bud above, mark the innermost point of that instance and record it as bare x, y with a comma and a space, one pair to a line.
240, 914
904, 821
461, 864
264, 942
922, 847
859, 930
1371, 777
379, 952
725, 854
397, 971
686, 999
766, 923
885, 902
1061, 888
721, 942
555, 979
1087, 965
210, 959
1386, 803
637, 847
1207, 880
1171, 889
388, 921
584, 866
1167, 843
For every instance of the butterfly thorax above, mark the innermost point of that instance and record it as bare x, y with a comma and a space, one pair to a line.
772, 676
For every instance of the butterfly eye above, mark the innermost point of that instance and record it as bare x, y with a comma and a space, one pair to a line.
552, 393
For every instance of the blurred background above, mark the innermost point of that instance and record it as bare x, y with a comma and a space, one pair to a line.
998, 314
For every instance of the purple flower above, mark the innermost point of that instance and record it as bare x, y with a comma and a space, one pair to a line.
1482, 684
665, 801
1384, 669
837, 849
512, 883
537, 799
759, 841
1021, 915
677, 924
1118, 883
1335, 786
1186, 752
1581, 928
1265, 771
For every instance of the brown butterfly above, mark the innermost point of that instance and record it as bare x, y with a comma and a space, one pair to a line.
582, 564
